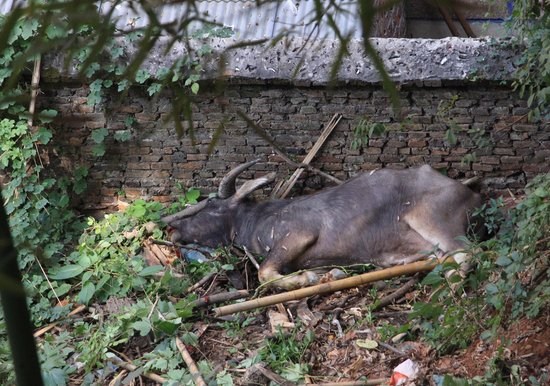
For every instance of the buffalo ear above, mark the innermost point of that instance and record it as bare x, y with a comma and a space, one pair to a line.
250, 186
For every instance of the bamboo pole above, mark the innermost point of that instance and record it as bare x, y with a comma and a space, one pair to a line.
286, 187
220, 297
350, 282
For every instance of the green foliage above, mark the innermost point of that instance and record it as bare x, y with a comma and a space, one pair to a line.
284, 353
449, 320
531, 22
522, 255
510, 279
364, 131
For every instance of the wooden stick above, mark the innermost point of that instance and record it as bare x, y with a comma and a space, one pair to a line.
221, 297
464, 23
131, 367
351, 282
47, 328
251, 258
193, 369
444, 12
35, 81
309, 157
273, 376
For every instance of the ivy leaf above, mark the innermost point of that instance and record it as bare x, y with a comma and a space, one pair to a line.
122, 135
53, 32
432, 278
28, 27
151, 270
55, 376
40, 204
224, 379
195, 88
122, 85
66, 272
99, 135
192, 196
46, 116
503, 261
168, 327
154, 88
450, 136
137, 211
86, 293
142, 326
43, 136
142, 76
98, 150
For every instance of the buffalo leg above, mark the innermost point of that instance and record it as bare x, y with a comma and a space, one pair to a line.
284, 256
441, 230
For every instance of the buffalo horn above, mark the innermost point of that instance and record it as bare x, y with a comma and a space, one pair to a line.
189, 211
250, 186
227, 185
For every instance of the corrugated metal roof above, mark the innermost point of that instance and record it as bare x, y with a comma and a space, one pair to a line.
245, 17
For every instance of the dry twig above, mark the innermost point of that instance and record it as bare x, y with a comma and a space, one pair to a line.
131, 367
201, 282
396, 294
47, 328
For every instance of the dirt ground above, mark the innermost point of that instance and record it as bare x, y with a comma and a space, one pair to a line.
344, 329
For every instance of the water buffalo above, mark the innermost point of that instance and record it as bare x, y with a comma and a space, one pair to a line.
384, 217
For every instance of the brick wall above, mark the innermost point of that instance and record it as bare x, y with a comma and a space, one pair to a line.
154, 161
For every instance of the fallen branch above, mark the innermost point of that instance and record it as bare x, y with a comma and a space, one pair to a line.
396, 294
201, 282
351, 282
193, 369
47, 328
130, 367
221, 297
391, 348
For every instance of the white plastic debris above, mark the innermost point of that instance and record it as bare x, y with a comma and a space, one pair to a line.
406, 371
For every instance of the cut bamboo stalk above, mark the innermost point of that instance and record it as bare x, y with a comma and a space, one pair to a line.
220, 297
193, 369
351, 282
309, 157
